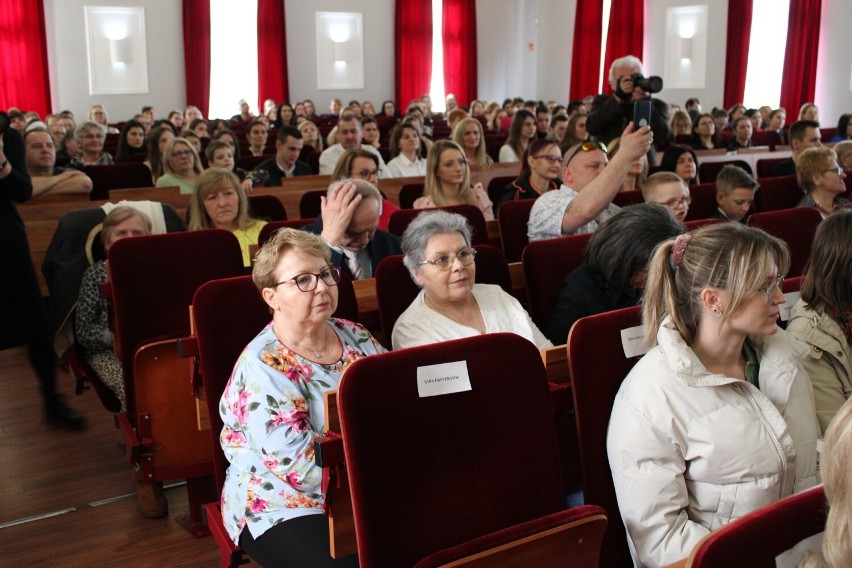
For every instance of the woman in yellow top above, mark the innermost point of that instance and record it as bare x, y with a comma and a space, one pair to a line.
219, 202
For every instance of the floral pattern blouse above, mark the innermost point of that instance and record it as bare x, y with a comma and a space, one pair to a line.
272, 410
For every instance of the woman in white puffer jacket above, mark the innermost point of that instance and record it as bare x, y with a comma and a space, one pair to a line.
718, 418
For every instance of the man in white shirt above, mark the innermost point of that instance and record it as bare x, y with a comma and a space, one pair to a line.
348, 136
590, 183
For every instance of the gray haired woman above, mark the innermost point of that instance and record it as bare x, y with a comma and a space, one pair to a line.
90, 139
450, 305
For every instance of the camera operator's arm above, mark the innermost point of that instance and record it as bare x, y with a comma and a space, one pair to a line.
14, 182
599, 193
607, 115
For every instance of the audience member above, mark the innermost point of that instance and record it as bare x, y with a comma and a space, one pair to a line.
181, 166
637, 174
131, 140
371, 133
158, 138
576, 133
98, 115
821, 179
803, 134
367, 109
219, 154
704, 133
448, 181
844, 128
615, 265
348, 136
176, 118
720, 119
90, 141
539, 172
610, 113
195, 141
844, 154
469, 136
199, 126
272, 410
285, 163
558, 127
822, 317
588, 186
668, 189
245, 113
361, 164
256, 134
743, 130
219, 202
521, 132
349, 225
680, 124
41, 167
777, 119
809, 111
682, 161
717, 419
456, 115
735, 189
450, 305
191, 113
542, 121
736, 111
406, 159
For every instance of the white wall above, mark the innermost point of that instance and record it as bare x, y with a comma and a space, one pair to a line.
714, 77
834, 70
505, 67
378, 20
555, 48
68, 61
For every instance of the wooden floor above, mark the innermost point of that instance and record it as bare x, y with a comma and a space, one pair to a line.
45, 470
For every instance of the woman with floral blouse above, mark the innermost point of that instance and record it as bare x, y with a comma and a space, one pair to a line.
272, 407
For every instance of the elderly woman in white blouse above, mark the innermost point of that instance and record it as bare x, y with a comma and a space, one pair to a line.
440, 259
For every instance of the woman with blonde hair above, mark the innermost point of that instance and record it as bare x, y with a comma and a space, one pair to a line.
219, 202
181, 165
717, 419
468, 135
448, 181
98, 114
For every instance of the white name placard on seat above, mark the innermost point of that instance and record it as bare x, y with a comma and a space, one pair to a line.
445, 378
632, 342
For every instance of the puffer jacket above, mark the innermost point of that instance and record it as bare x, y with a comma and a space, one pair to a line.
691, 450
828, 362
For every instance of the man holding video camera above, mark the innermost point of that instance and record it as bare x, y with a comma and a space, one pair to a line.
611, 113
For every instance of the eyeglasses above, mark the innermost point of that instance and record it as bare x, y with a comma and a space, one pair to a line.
94, 136
587, 146
770, 290
837, 169
307, 281
182, 153
550, 158
445, 261
366, 174
678, 202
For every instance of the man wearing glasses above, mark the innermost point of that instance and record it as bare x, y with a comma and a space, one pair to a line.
349, 225
348, 136
589, 183
288, 146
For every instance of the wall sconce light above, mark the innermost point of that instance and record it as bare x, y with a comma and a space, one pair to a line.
685, 49
119, 51
340, 53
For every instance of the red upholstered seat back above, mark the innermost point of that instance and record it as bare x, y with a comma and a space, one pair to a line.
626, 198
796, 227
765, 165
269, 228
153, 280
512, 218
703, 201
117, 176
310, 204
427, 473
546, 264
598, 366
708, 171
266, 207
777, 193
409, 193
400, 220
756, 539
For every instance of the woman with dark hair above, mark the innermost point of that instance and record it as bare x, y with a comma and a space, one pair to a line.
521, 133
615, 263
682, 161
539, 173
389, 109
822, 318
130, 141
157, 140
286, 115
406, 159
228, 136
370, 132
704, 133
844, 128
576, 132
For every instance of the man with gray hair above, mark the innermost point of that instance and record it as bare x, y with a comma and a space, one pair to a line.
349, 224
348, 137
611, 113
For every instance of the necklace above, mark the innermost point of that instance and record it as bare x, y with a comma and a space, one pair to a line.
317, 354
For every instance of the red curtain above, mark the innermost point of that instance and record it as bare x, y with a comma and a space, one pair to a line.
586, 54
626, 33
25, 81
736, 58
459, 38
798, 81
413, 42
271, 53
196, 52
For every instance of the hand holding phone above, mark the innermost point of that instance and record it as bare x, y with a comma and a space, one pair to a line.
641, 113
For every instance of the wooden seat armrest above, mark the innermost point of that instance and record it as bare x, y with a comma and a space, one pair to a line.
561, 397
187, 347
328, 450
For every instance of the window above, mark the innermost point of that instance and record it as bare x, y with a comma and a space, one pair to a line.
233, 56
766, 53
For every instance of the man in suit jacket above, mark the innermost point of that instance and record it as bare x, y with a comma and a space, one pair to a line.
288, 146
349, 225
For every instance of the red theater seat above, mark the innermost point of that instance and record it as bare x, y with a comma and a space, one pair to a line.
796, 227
